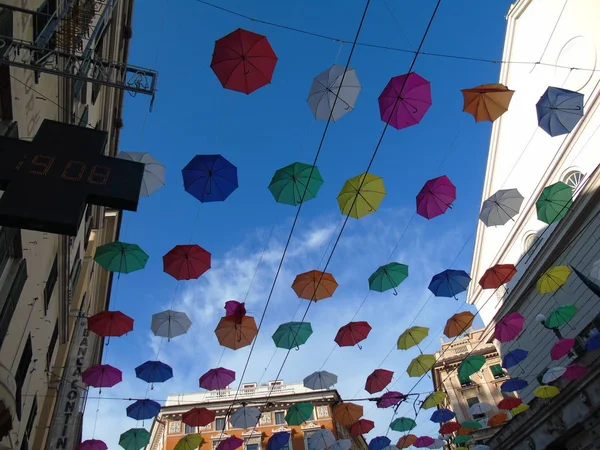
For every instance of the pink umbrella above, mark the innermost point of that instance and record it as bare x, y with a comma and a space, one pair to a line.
218, 378
231, 443
509, 327
561, 348
235, 309
390, 398
101, 375
405, 100
435, 197
92, 444
423, 441
574, 372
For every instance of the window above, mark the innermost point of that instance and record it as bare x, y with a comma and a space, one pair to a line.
312, 415
497, 371
50, 282
220, 424
6, 29
12, 299
307, 435
98, 50
10, 246
88, 226
251, 447
83, 120
189, 430
573, 179
21, 374
51, 348
40, 22
30, 421
465, 381
471, 401
279, 417
75, 269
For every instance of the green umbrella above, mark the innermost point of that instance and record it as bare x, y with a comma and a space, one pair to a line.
388, 277
463, 439
134, 439
189, 442
554, 203
470, 365
471, 425
290, 183
292, 334
403, 424
121, 257
560, 316
299, 413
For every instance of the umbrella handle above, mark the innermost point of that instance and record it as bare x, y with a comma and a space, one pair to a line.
395, 291
359, 346
208, 188
297, 348
238, 334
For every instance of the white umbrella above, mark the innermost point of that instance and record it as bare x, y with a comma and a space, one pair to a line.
246, 417
154, 172
482, 447
343, 444
480, 408
320, 380
553, 374
438, 443
170, 324
320, 440
501, 207
595, 270
325, 89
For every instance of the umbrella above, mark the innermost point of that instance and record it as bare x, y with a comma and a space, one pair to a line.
559, 110
243, 61
154, 172
92, 444
554, 202
450, 427
574, 372
553, 374
462, 439
143, 409
216, 379
378, 380
546, 392
134, 439
352, 333
403, 424
405, 100
487, 101
406, 441
390, 398
471, 425
320, 380
552, 279
292, 334
363, 426
341, 444
154, 372
593, 342
449, 283
110, 323
235, 335
560, 316
379, 442
509, 327
501, 207
246, 417
562, 348
198, 417
102, 375
235, 311
388, 277
591, 285
423, 441
361, 195
442, 415
231, 443
514, 357
496, 276
515, 384
595, 270
210, 178
121, 257
299, 413
186, 262
519, 409
170, 324
278, 440
296, 183
434, 399
458, 324
509, 403
321, 439
420, 365
435, 197
482, 447
479, 408
189, 442
470, 365
314, 285
437, 443
411, 337
336, 82
347, 413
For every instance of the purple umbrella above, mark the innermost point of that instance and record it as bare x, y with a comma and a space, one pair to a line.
231, 443
423, 441
92, 444
218, 378
405, 100
102, 375
390, 398
436, 197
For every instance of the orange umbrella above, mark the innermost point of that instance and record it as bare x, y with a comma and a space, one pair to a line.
347, 413
487, 102
465, 431
458, 324
233, 335
497, 419
314, 285
406, 441
496, 276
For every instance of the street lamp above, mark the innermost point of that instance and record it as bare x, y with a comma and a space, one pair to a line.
542, 319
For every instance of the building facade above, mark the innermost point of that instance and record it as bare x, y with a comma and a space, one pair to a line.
273, 399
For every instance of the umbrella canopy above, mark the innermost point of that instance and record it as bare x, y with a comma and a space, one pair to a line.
546, 392
560, 316
482, 447
390, 398
435, 197
347, 413
243, 61
388, 277
462, 439
320, 380
501, 207
102, 375
121, 257
406, 441
352, 333
458, 324
335, 82
487, 101
514, 384
278, 440
423, 441
442, 415
449, 283
379, 442
405, 100
134, 439
553, 374
189, 442
170, 324
470, 365
361, 195
210, 178
154, 372
231, 443
296, 183
299, 413
198, 417
514, 357
434, 399
574, 372
519, 409
437, 443
235, 335
246, 417
471, 425
450, 427
154, 172
362, 426
411, 337
235, 311
552, 279
92, 444
314, 285
559, 110
509, 327
593, 342
321, 439
595, 270
562, 348
420, 365
216, 379
480, 408
292, 334
186, 262
496, 276
378, 380
110, 323
403, 424
341, 444
509, 403
143, 409
554, 202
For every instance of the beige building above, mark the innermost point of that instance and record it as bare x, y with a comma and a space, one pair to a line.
63, 60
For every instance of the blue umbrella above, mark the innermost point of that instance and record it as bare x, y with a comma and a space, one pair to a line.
449, 283
513, 358
278, 440
442, 415
559, 110
515, 384
210, 178
379, 443
143, 409
593, 343
154, 372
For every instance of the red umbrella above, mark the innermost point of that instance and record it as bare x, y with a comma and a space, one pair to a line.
363, 426
450, 427
243, 61
435, 197
378, 380
498, 275
509, 403
186, 262
110, 323
198, 417
352, 333
575, 371
561, 348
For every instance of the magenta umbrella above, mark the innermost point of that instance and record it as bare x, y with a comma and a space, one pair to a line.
102, 375
509, 327
562, 348
423, 441
231, 443
390, 398
405, 100
92, 444
435, 197
575, 371
218, 378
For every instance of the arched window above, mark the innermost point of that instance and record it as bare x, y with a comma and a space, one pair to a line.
530, 241
573, 179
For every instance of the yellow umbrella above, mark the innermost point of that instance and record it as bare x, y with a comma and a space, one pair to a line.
411, 337
519, 409
546, 392
552, 279
361, 195
487, 102
434, 399
420, 365
189, 442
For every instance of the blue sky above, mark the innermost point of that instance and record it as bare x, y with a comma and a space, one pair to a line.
274, 127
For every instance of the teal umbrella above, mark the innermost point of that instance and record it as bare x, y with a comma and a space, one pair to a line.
403, 424
291, 183
121, 257
554, 202
292, 334
470, 365
299, 413
134, 439
388, 277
